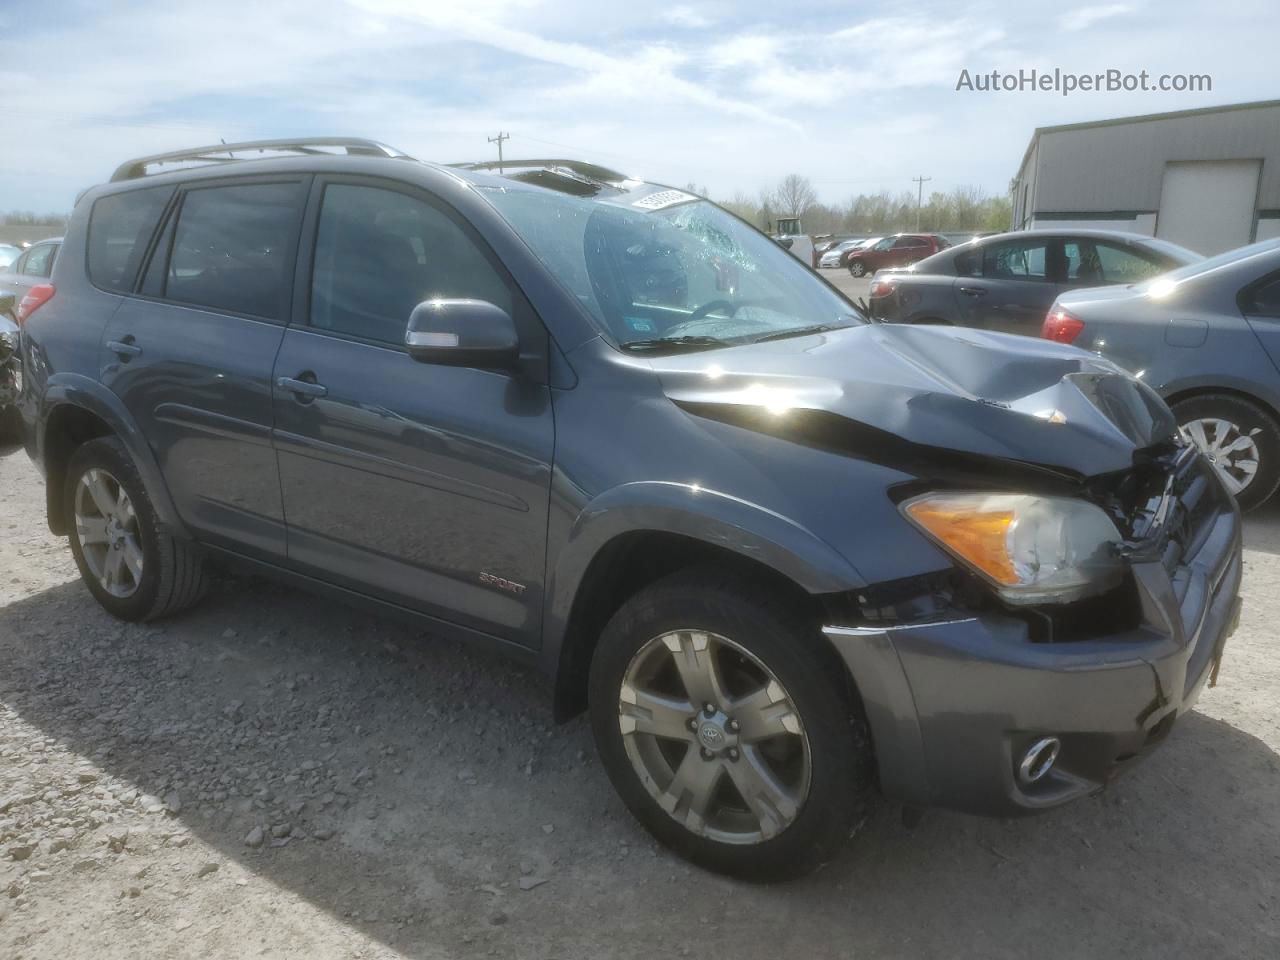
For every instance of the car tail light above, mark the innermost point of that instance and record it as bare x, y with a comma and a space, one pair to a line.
881, 288
36, 298
1061, 326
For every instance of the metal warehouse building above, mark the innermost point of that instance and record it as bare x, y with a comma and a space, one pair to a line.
1208, 179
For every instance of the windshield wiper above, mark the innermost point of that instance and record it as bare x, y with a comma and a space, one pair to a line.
678, 343
801, 331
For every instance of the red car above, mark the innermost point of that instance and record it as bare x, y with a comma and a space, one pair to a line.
895, 251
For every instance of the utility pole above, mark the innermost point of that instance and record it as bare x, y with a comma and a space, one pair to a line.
498, 140
920, 182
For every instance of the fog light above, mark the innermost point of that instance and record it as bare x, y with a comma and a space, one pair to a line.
1038, 760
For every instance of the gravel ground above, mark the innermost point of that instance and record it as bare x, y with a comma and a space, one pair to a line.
274, 775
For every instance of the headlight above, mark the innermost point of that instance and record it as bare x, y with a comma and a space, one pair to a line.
1031, 549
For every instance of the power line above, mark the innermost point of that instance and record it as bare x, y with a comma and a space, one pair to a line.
920, 182
498, 140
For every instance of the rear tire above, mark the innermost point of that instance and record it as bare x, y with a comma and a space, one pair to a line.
131, 565
784, 727
1241, 439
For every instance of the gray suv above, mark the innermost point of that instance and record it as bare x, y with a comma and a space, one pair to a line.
787, 559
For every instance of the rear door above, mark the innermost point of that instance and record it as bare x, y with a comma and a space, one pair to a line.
1006, 286
33, 267
423, 485
191, 353
907, 250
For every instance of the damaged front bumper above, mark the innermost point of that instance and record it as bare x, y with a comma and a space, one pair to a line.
954, 705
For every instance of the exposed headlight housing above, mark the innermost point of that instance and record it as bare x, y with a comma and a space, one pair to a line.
1031, 549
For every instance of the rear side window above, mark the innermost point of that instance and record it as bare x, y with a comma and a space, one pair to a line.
120, 226
233, 248
1093, 262
379, 253
1264, 299
39, 262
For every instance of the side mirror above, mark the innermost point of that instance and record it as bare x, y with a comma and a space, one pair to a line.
462, 333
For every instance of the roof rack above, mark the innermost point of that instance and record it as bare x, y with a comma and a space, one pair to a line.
591, 171
224, 153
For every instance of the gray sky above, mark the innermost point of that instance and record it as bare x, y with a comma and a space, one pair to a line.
858, 96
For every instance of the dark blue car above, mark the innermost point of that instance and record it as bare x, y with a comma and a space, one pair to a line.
787, 558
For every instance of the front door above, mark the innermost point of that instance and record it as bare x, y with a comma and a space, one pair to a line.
191, 355
423, 485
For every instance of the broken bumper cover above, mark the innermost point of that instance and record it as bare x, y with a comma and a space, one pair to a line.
954, 705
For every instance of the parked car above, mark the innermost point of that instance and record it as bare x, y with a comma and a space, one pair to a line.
441, 393
1007, 282
824, 241
838, 255
1207, 338
10, 373
30, 270
895, 251
8, 254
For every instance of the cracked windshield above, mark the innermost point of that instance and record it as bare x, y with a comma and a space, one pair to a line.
687, 276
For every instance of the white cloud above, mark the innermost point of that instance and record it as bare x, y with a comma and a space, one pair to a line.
853, 98
1085, 17
688, 15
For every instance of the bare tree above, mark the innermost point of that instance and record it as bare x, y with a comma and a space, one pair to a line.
794, 195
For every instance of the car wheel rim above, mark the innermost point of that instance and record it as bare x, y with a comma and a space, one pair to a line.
107, 530
714, 737
1232, 451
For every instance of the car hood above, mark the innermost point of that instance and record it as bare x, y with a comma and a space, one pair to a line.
924, 393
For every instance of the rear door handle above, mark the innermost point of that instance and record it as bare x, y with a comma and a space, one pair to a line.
125, 349
973, 291
303, 390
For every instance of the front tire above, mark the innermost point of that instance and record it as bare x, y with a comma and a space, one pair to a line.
1241, 440
130, 564
857, 268
728, 729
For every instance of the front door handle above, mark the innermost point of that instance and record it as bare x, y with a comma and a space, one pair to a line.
303, 390
973, 291
125, 349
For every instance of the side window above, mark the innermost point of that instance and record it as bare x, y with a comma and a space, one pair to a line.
119, 228
1121, 265
969, 263
1264, 300
885, 244
1015, 260
39, 261
232, 248
20, 264
904, 243
379, 253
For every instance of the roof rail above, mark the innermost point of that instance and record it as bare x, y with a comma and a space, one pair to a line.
590, 170
354, 146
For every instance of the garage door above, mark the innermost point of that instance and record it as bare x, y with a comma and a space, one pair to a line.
1208, 206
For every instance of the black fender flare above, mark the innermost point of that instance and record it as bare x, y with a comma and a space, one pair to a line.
76, 390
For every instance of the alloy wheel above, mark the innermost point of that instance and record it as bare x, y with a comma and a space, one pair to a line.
107, 530
714, 737
1232, 451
